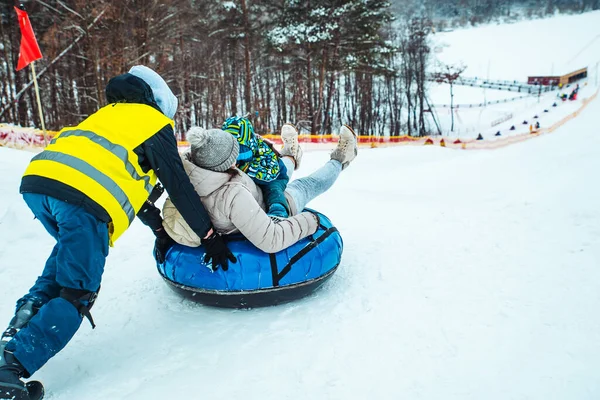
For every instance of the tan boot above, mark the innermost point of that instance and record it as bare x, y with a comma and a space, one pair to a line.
347, 147
291, 147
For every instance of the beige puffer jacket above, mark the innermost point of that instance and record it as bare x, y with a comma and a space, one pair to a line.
235, 204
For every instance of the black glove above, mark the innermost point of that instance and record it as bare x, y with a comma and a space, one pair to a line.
217, 251
162, 245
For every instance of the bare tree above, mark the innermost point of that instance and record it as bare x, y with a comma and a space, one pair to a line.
449, 73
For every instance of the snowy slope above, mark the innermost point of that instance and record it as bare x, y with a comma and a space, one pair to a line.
466, 275
551, 46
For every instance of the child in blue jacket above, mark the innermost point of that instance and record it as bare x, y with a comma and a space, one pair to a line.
260, 161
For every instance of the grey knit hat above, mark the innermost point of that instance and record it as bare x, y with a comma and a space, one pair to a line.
212, 149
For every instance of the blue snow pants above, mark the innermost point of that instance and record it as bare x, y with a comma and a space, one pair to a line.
273, 191
76, 262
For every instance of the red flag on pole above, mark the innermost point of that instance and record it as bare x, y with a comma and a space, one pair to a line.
30, 51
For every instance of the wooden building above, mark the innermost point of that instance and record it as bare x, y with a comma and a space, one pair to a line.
558, 80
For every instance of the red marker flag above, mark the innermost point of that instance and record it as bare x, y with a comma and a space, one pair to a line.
30, 51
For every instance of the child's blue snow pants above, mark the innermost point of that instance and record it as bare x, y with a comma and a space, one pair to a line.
76, 262
273, 191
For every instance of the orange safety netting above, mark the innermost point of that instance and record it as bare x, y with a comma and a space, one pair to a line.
18, 137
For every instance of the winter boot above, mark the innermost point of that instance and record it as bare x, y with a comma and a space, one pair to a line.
291, 147
11, 385
27, 308
11, 370
347, 147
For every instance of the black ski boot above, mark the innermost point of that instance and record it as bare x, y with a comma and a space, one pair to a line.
11, 385
11, 370
21, 318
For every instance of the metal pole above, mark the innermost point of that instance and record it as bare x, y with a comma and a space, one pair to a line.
58, 57
488, 79
451, 107
39, 103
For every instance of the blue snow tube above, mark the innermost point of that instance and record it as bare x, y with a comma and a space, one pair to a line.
257, 279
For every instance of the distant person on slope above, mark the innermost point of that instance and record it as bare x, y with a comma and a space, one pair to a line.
86, 188
236, 204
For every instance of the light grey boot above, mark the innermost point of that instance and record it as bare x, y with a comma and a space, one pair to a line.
291, 146
347, 147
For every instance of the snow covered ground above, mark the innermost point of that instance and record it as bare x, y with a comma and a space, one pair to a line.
514, 51
551, 46
465, 275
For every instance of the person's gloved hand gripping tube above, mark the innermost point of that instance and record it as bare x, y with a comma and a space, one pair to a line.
217, 251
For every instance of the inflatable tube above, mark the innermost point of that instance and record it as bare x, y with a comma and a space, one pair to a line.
257, 279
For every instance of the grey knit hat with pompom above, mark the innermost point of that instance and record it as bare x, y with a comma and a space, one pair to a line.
212, 149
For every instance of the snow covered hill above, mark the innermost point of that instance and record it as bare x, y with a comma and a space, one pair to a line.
551, 46
527, 48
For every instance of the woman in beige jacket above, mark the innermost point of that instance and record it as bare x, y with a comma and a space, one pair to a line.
235, 203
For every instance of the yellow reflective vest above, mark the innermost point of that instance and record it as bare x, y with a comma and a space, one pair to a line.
96, 157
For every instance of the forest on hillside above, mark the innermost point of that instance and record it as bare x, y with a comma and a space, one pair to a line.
314, 63
447, 14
